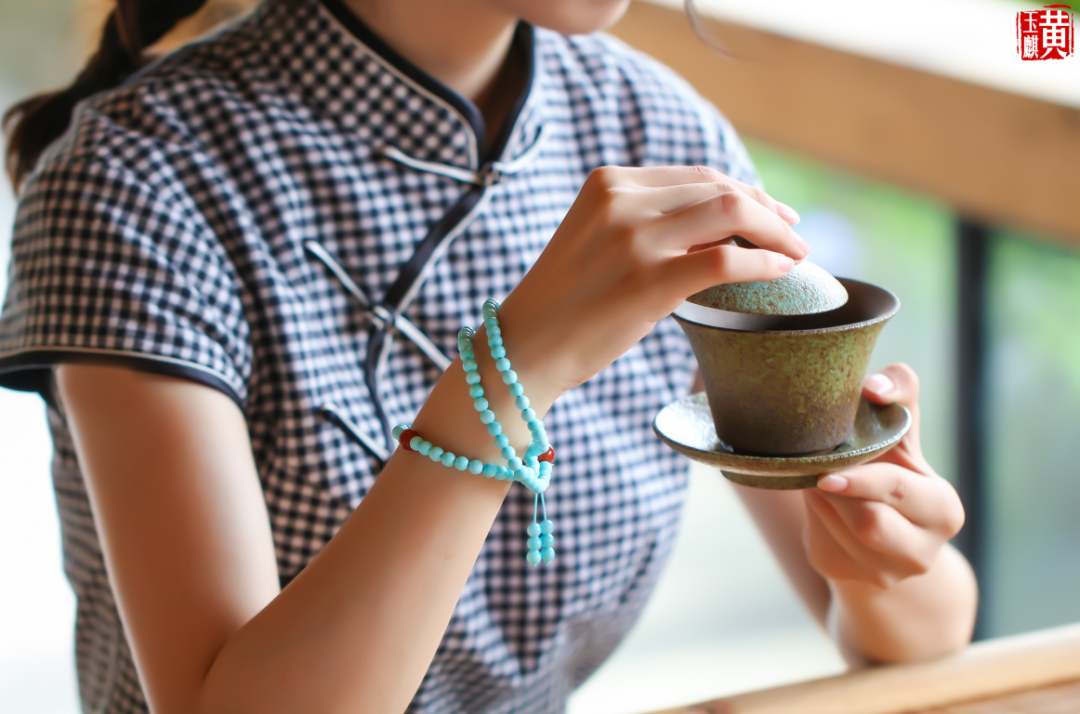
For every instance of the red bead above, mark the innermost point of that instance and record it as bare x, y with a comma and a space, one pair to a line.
406, 437
548, 455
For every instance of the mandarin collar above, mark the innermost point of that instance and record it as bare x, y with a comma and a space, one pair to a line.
322, 46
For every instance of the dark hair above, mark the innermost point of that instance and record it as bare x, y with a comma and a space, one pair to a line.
34, 123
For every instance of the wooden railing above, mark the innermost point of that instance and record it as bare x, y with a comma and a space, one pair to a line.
1040, 666
997, 157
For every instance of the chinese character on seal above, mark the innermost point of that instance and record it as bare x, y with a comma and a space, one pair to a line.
1045, 34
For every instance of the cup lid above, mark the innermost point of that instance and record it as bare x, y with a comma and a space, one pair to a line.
805, 290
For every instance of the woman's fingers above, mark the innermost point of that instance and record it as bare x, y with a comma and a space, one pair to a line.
667, 177
730, 212
726, 263
926, 501
885, 546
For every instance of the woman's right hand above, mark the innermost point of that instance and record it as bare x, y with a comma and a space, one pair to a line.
635, 244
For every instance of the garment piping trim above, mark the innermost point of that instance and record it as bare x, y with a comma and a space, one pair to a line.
441, 249
402, 323
496, 170
353, 429
15, 360
328, 7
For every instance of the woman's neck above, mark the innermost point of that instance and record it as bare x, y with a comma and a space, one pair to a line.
464, 44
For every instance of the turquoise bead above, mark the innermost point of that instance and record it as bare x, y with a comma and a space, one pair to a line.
533, 529
524, 475
491, 322
509, 377
469, 365
516, 390
398, 431
547, 554
533, 543
522, 402
508, 452
494, 330
467, 354
501, 473
513, 463
489, 470
546, 541
494, 428
534, 557
475, 391
472, 377
502, 365
546, 527
498, 352
461, 463
535, 426
448, 458
529, 415
487, 416
436, 453
415, 442
476, 466
425, 448
480, 404
501, 440
496, 341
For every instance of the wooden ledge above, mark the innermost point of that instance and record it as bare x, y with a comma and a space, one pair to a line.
984, 670
993, 156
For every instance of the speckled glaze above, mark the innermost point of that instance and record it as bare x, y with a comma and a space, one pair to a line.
806, 289
687, 427
787, 385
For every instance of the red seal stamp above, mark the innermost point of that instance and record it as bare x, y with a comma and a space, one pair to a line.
1045, 34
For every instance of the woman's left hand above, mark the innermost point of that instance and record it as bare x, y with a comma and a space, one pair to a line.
886, 520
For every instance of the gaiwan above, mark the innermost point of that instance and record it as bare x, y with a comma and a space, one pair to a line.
783, 361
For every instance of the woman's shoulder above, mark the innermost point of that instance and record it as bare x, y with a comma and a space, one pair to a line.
650, 102
165, 114
606, 63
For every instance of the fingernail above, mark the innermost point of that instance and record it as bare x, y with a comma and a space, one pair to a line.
787, 213
784, 263
803, 245
879, 384
833, 483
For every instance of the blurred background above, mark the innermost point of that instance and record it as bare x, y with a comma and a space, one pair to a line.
723, 619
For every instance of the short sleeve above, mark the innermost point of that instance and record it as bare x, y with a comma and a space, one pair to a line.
116, 265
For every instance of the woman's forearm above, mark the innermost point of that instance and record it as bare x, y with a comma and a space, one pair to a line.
920, 617
357, 629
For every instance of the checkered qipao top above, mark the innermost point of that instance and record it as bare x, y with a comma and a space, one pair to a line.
293, 214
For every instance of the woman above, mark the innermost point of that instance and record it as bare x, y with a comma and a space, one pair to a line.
242, 265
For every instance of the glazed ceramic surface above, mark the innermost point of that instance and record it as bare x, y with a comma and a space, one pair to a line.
687, 427
804, 290
787, 385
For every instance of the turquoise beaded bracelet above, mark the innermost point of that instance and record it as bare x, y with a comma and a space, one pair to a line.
534, 470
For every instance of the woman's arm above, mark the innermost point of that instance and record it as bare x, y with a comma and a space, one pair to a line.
871, 558
180, 512
187, 543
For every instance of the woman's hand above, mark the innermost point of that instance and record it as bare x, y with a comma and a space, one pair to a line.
635, 244
868, 550
888, 519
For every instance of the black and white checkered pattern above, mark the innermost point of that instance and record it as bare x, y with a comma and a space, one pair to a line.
167, 231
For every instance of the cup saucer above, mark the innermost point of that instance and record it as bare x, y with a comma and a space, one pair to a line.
687, 427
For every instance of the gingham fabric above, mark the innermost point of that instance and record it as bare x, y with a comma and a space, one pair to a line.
291, 213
